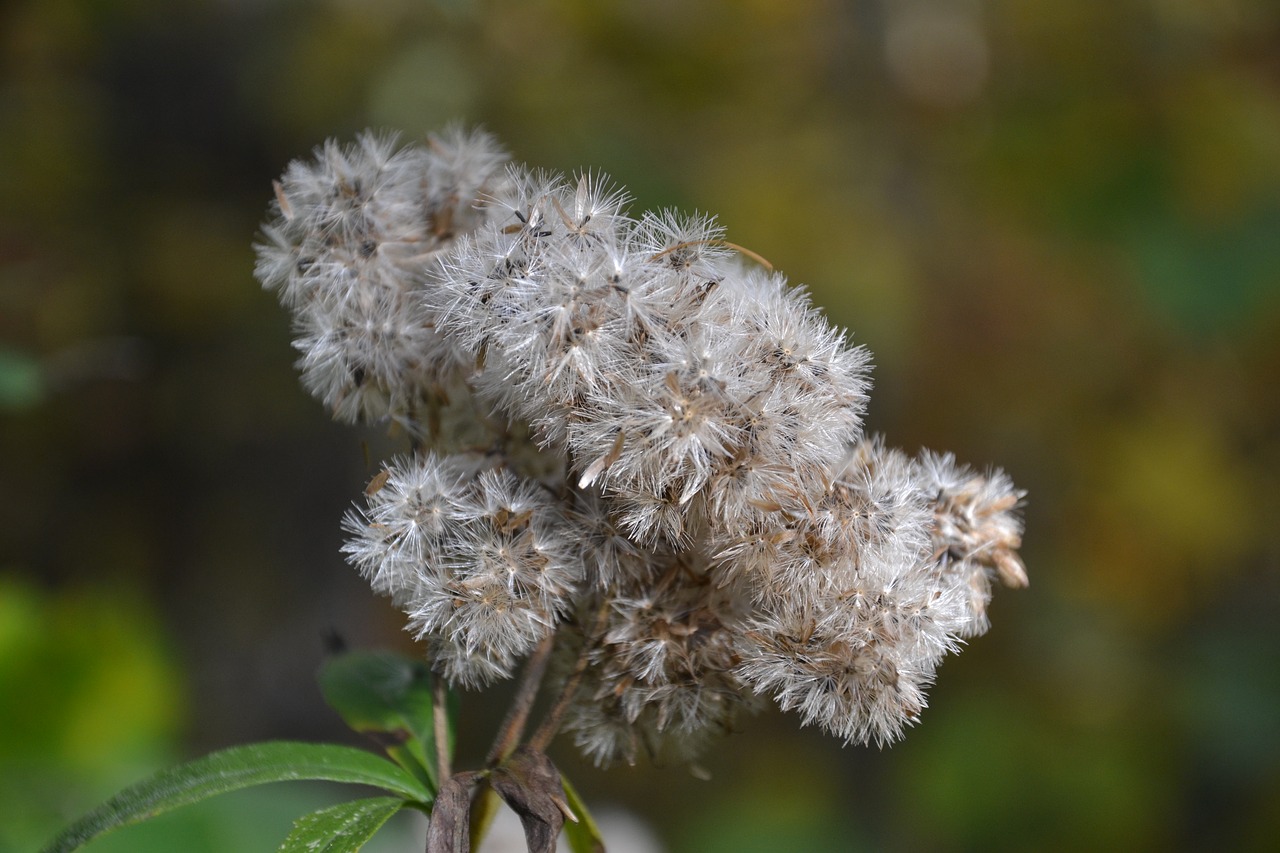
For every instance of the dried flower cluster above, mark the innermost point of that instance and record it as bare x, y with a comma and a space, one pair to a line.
628, 436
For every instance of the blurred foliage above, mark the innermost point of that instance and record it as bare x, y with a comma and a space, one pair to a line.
1055, 225
87, 697
20, 384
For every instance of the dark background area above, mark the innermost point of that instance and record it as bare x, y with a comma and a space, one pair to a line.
1056, 225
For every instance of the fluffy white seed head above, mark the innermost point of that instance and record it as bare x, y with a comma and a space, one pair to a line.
638, 440
662, 660
976, 530
647, 352
483, 563
851, 627
354, 232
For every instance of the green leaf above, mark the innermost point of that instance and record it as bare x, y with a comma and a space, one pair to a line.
384, 693
343, 828
235, 768
583, 836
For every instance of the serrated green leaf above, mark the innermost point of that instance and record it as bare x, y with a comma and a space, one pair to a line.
583, 836
385, 693
235, 768
343, 828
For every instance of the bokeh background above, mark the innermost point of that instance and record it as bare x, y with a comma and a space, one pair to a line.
1056, 224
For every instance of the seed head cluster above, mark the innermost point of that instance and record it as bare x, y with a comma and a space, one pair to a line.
630, 434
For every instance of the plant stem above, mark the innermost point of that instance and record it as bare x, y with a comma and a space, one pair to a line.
512, 727
551, 723
440, 722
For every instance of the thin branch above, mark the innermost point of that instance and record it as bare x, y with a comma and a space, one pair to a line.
512, 728
551, 723
440, 721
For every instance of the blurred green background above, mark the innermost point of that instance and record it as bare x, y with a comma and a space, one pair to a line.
1056, 225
